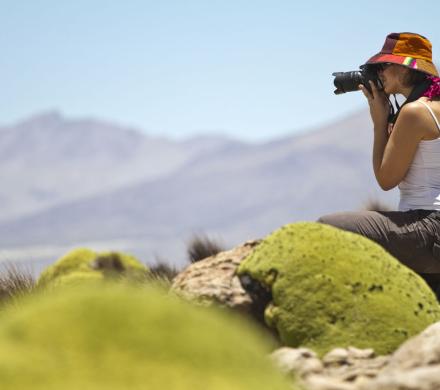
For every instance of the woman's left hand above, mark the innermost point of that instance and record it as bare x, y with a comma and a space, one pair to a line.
379, 105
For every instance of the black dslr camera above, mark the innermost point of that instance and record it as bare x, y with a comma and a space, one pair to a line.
349, 81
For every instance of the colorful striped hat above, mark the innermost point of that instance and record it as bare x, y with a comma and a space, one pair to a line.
408, 49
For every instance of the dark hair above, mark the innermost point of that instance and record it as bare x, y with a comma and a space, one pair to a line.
414, 77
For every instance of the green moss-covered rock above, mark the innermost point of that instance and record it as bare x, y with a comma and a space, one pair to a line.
112, 336
84, 265
332, 288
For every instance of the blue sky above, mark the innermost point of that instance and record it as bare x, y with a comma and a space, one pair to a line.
254, 70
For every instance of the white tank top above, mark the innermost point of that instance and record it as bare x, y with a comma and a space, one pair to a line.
420, 188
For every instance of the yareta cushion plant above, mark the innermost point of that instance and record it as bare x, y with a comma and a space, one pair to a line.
84, 264
332, 288
113, 336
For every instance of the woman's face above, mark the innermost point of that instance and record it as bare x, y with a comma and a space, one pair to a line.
393, 77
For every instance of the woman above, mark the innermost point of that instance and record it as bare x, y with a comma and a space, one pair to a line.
406, 153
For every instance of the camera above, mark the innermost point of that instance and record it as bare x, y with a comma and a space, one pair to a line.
349, 81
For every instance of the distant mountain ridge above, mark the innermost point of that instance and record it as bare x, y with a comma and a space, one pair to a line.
47, 160
108, 184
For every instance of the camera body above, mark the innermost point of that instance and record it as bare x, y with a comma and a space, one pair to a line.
349, 81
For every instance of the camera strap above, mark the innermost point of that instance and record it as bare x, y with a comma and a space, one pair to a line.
416, 92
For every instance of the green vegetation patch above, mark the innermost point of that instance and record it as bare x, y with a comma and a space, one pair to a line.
332, 288
112, 336
84, 265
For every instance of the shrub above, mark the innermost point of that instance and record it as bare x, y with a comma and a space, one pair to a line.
84, 264
332, 288
102, 337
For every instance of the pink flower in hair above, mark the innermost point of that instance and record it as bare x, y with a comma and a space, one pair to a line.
433, 90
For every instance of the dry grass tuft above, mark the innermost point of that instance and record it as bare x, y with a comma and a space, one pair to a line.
201, 247
161, 269
15, 281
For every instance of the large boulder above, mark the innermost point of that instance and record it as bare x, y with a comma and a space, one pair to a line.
111, 336
331, 288
84, 265
214, 281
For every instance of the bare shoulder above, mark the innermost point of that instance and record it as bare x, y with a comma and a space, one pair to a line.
426, 117
412, 117
413, 111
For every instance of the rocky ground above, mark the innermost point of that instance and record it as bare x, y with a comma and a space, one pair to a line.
414, 366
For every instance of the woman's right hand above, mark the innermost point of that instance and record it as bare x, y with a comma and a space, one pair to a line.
379, 105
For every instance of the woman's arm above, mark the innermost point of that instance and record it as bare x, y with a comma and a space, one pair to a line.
379, 146
401, 147
393, 154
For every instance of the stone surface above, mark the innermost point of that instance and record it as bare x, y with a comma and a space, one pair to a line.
347, 355
213, 280
421, 350
297, 361
420, 378
320, 382
331, 288
341, 368
415, 365
352, 364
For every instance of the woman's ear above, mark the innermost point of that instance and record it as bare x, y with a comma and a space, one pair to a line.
405, 76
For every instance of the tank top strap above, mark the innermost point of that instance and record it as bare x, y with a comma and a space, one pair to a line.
432, 114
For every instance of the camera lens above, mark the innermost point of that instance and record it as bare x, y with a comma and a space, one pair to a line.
347, 81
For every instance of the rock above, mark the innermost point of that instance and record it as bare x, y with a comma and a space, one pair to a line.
420, 378
415, 365
336, 356
353, 364
348, 355
343, 367
319, 382
331, 288
297, 361
111, 336
421, 350
80, 265
213, 280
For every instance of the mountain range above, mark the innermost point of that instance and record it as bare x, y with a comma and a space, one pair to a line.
85, 182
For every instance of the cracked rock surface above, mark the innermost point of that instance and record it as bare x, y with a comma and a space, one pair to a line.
213, 280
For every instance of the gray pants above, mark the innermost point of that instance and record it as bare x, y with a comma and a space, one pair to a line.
413, 237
